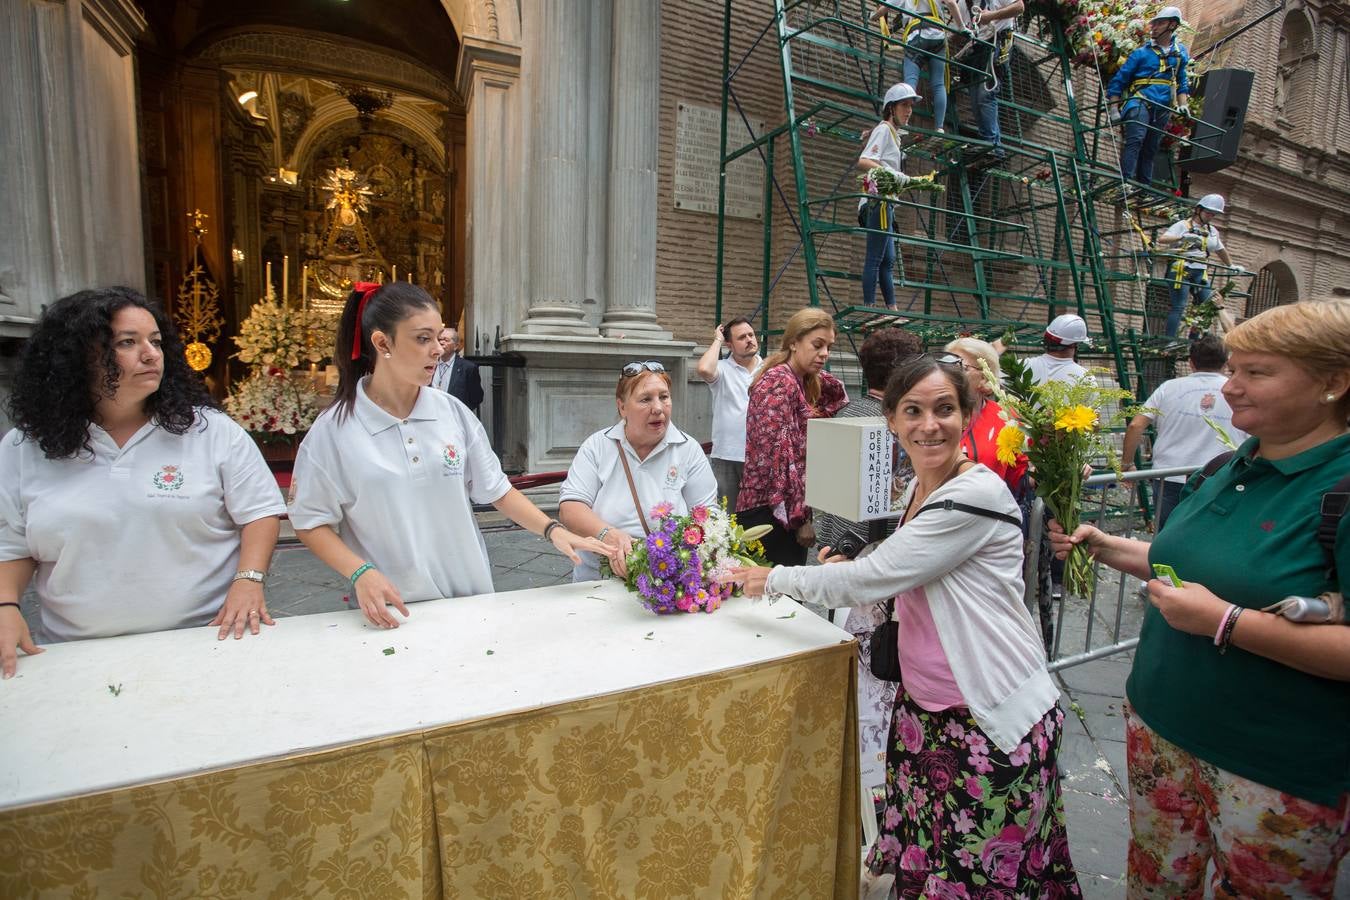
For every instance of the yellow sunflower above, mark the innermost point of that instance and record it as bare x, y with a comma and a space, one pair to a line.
1077, 418
1010, 442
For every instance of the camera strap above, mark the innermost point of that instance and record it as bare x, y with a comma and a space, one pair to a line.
973, 510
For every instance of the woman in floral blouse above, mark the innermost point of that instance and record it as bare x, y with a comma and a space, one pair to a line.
789, 389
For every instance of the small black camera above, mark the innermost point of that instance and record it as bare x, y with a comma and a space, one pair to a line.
850, 545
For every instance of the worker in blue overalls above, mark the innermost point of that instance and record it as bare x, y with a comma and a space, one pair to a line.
1154, 86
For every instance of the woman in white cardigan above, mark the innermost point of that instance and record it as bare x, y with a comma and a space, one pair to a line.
972, 788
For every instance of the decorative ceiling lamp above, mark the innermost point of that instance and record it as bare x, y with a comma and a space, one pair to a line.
366, 101
197, 312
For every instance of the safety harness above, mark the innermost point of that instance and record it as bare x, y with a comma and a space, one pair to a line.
1165, 76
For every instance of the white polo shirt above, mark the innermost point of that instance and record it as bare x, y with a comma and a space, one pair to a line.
399, 492
1180, 407
676, 471
731, 395
143, 537
1051, 368
883, 146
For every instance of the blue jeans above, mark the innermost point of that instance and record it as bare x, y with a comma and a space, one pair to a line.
1141, 142
937, 79
985, 103
1193, 283
879, 259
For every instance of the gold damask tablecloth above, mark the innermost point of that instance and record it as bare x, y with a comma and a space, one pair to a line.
743, 783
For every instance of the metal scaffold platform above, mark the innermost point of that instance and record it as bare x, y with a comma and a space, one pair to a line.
1013, 239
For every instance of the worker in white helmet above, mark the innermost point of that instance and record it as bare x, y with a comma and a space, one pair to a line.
1153, 85
878, 216
1195, 238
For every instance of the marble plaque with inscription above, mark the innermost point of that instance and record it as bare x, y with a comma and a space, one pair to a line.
698, 135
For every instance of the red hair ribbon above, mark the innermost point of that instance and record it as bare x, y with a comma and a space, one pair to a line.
365, 289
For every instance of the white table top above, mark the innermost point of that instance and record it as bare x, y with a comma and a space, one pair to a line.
190, 704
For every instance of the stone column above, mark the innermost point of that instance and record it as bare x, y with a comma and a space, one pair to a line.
633, 129
70, 200
495, 260
554, 183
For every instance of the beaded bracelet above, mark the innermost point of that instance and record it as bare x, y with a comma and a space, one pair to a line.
1228, 630
1223, 623
360, 570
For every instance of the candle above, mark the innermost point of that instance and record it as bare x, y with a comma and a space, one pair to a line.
394, 274
304, 286
408, 278
268, 277
285, 278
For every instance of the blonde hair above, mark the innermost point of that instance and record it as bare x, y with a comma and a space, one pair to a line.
802, 323
981, 350
1315, 334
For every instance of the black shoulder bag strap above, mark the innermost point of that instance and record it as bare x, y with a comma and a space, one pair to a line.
967, 508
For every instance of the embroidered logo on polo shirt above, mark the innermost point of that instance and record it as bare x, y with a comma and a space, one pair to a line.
453, 459
168, 478
672, 476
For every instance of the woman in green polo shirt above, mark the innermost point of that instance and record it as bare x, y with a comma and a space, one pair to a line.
1238, 720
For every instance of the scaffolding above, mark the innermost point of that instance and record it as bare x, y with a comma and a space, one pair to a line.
1049, 226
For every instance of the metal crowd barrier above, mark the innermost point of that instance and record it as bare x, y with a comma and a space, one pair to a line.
1091, 628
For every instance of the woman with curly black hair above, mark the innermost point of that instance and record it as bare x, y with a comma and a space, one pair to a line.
137, 503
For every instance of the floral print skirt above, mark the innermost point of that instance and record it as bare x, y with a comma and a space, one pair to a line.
963, 819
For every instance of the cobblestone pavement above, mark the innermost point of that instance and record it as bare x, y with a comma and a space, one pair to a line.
1092, 756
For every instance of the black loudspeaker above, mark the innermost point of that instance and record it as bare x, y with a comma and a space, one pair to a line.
1219, 131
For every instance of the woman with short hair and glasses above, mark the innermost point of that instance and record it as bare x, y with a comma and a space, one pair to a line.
387, 477
621, 472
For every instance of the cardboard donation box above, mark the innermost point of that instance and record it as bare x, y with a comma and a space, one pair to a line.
848, 467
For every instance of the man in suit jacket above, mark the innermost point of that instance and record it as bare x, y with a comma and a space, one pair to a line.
455, 374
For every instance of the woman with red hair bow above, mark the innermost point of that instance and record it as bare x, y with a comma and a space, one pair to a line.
387, 477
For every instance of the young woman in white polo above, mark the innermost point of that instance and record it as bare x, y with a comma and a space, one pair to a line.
386, 478
137, 505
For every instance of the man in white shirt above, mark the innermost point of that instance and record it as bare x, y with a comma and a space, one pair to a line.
1062, 337
1180, 407
455, 375
729, 380
1196, 238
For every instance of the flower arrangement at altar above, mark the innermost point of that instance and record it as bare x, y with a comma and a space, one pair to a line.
273, 404
676, 567
274, 407
1058, 427
281, 337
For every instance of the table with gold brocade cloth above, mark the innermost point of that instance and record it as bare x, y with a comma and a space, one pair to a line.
553, 742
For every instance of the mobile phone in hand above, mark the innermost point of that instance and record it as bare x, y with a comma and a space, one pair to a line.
1166, 573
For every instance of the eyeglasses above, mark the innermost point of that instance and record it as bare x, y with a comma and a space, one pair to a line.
635, 367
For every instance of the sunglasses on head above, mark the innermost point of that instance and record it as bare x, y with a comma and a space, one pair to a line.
635, 367
947, 359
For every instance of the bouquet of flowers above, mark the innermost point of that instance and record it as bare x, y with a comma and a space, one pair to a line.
1203, 314
676, 568
885, 183
273, 406
1099, 34
1058, 427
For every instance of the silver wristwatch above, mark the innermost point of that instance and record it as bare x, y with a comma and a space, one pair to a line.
249, 575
